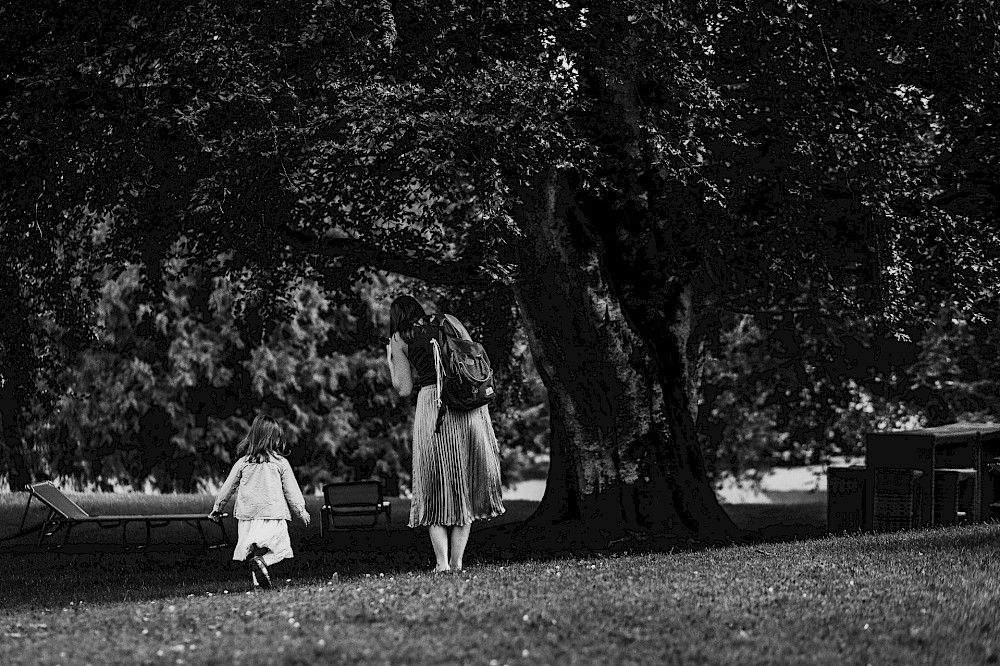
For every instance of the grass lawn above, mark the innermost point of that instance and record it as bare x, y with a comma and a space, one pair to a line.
925, 597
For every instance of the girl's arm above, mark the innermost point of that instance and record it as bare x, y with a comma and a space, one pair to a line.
399, 366
293, 496
230, 485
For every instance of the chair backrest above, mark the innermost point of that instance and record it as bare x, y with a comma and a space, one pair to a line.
359, 493
54, 498
892, 480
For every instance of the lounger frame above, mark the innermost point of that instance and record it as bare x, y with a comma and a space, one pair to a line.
65, 514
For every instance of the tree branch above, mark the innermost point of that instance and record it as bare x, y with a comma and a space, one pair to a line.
388, 24
464, 272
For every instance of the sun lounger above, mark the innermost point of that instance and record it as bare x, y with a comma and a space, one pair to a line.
353, 505
64, 513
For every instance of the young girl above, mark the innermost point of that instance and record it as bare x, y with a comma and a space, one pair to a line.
266, 499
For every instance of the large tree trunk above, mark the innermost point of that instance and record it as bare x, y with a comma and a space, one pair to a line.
624, 450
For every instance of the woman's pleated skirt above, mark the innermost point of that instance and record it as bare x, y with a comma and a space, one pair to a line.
456, 471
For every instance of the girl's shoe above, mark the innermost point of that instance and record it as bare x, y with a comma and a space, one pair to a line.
260, 570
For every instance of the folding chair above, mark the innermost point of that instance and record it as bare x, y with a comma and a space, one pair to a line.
65, 513
954, 495
352, 505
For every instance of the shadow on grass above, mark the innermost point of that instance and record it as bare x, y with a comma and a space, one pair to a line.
94, 567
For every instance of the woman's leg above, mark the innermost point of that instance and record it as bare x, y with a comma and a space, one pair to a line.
459, 537
439, 539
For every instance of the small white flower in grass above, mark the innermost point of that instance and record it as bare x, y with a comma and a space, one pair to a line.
225, 591
171, 609
867, 626
526, 618
218, 633
525, 653
321, 643
145, 631
248, 613
159, 653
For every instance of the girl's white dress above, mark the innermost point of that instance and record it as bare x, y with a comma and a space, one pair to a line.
270, 533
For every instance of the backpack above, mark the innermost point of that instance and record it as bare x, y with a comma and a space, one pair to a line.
464, 374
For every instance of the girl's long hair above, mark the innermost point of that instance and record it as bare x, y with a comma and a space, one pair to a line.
403, 312
264, 440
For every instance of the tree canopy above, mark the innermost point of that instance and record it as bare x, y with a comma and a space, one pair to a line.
782, 148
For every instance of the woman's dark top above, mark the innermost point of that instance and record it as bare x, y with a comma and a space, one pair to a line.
421, 354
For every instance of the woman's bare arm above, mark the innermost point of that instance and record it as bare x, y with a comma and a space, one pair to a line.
399, 366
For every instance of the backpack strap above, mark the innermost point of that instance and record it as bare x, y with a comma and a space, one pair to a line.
438, 368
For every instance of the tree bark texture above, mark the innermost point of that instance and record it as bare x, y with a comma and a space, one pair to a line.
624, 451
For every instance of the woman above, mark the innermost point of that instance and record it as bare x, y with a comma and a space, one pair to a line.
456, 470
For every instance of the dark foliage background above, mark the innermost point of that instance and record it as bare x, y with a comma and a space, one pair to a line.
195, 194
